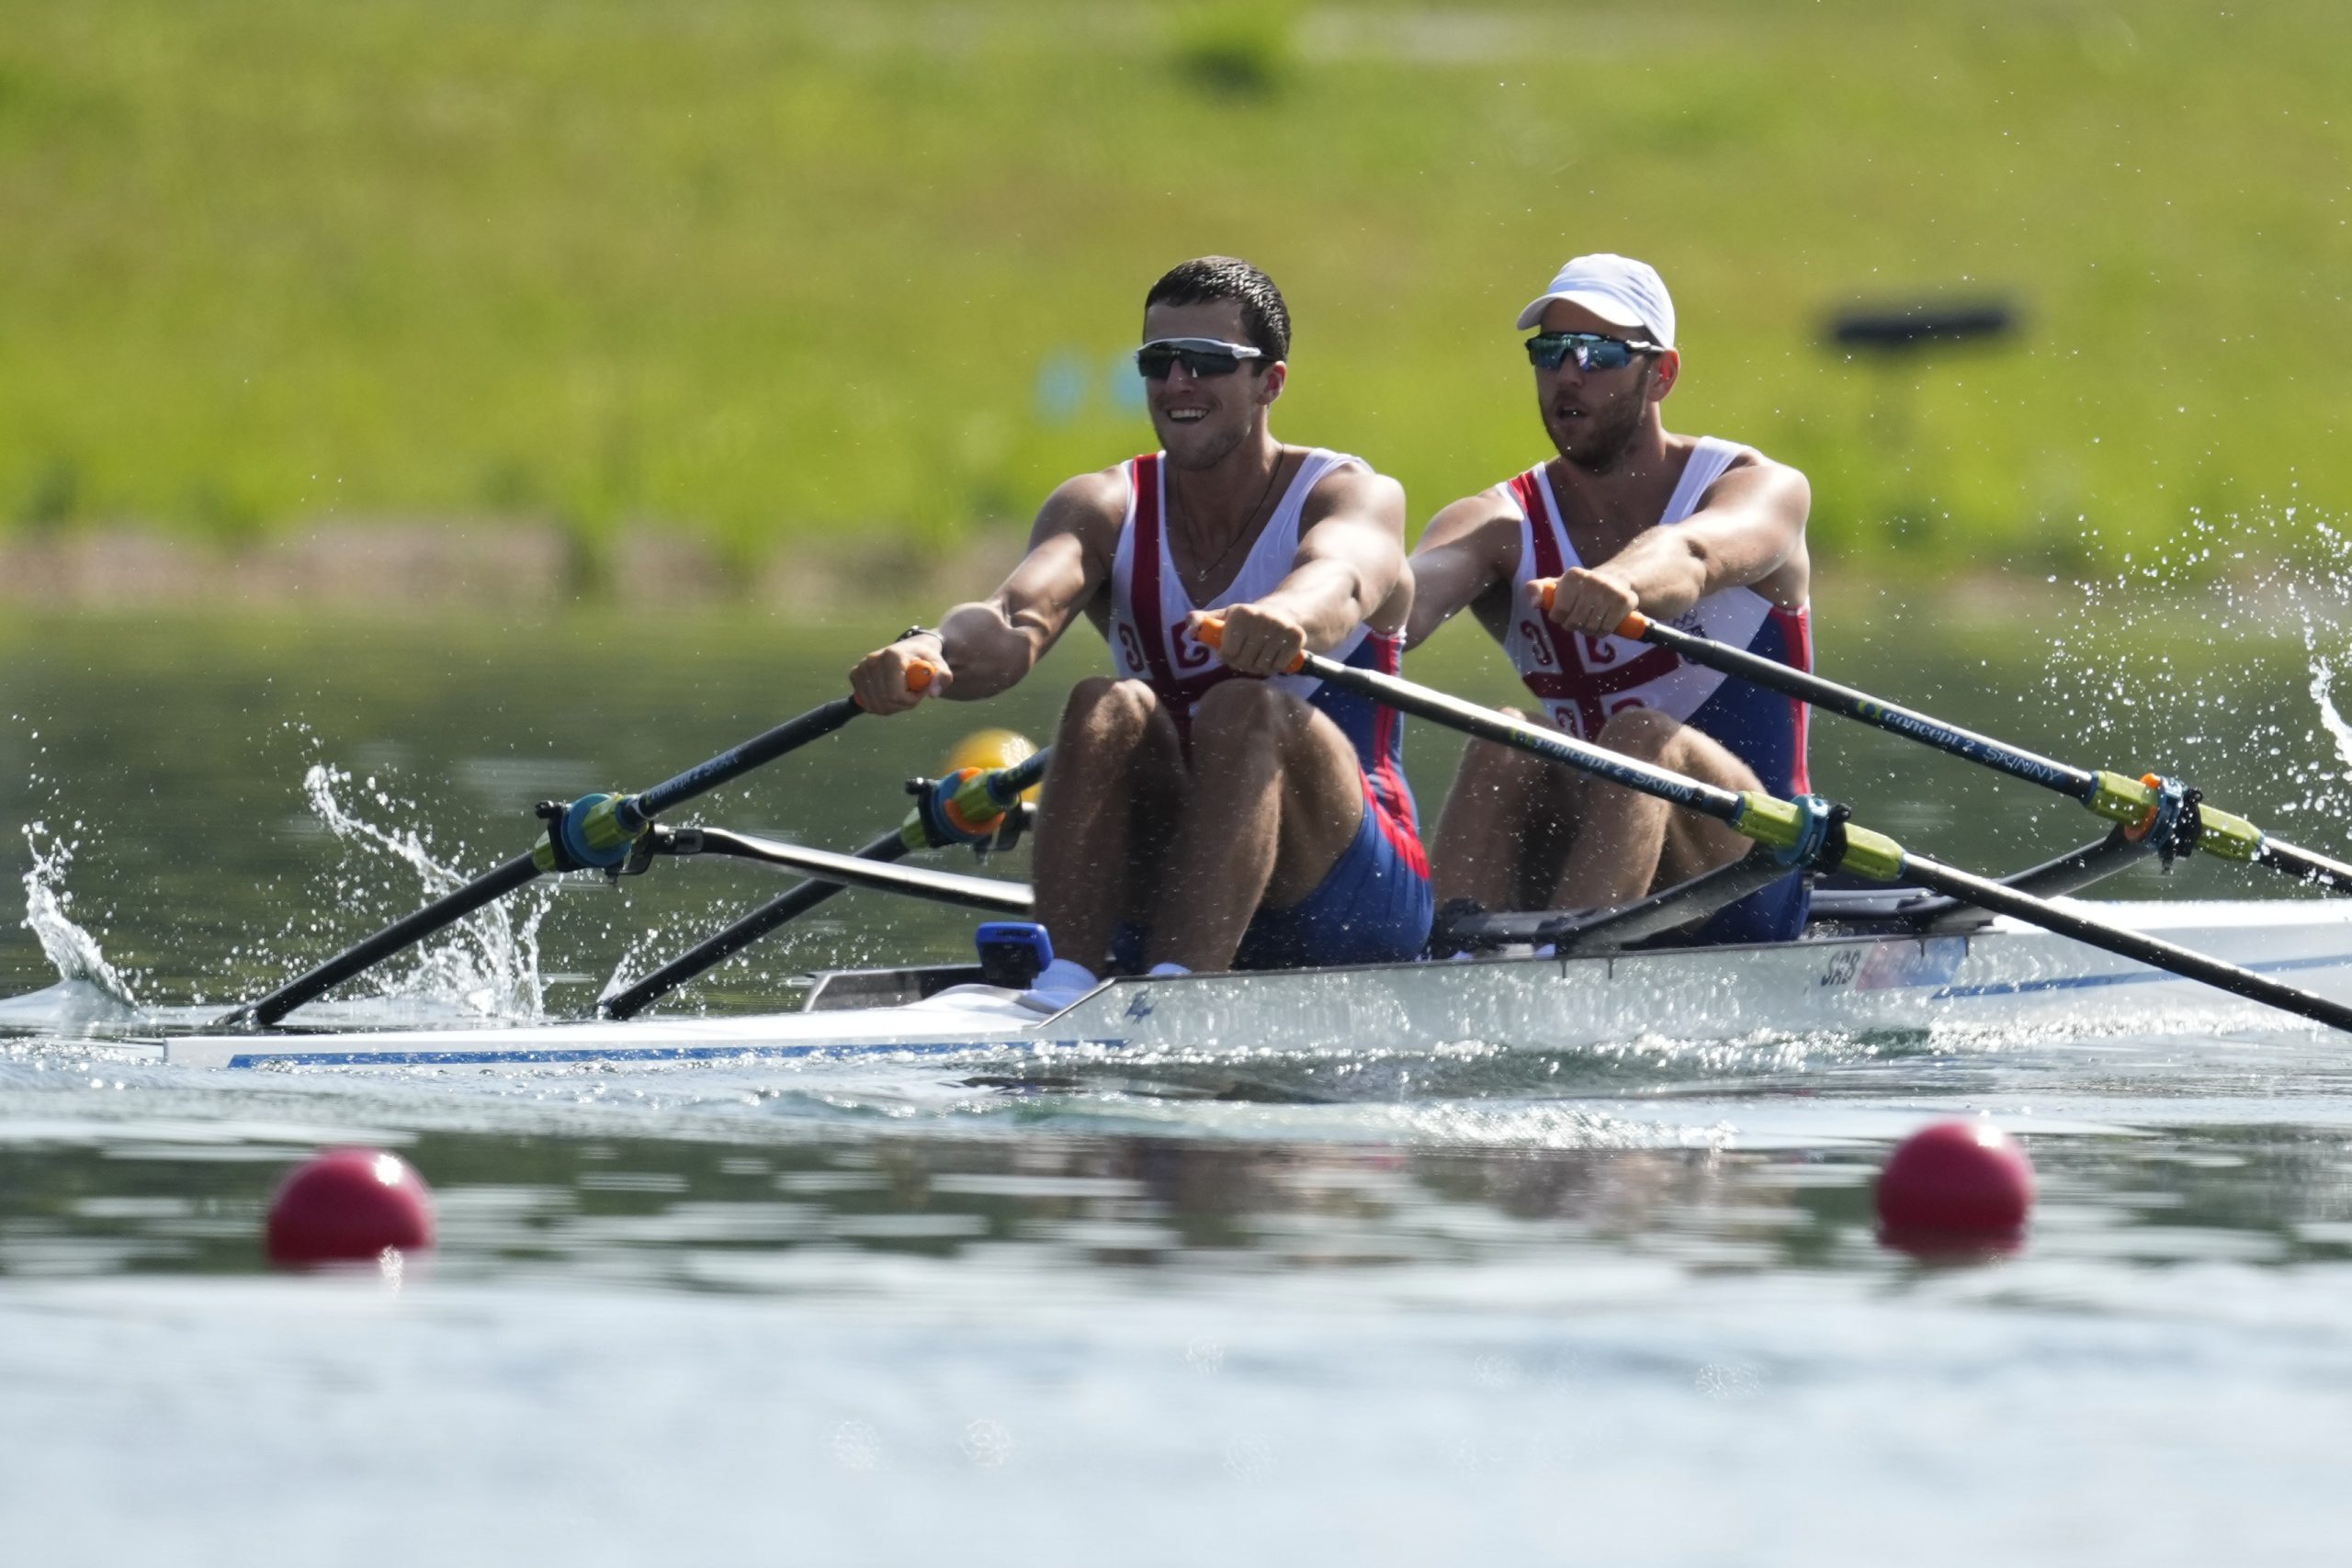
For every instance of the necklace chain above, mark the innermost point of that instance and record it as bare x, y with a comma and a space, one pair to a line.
1202, 574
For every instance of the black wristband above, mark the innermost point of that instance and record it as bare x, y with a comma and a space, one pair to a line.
919, 629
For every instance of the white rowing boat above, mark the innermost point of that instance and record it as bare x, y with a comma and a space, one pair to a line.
1935, 945
1995, 973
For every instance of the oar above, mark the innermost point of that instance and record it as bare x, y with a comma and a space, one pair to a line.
962, 809
2136, 803
940, 886
596, 832
1809, 833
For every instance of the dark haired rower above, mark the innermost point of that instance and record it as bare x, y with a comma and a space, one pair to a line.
1203, 810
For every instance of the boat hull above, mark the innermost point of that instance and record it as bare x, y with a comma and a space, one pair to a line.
2001, 974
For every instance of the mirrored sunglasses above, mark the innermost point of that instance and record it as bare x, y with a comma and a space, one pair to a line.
1593, 351
1200, 356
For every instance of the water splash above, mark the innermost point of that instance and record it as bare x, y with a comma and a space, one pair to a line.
488, 963
2214, 658
74, 950
2322, 687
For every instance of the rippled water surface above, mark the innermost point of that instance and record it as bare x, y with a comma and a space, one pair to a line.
1432, 1306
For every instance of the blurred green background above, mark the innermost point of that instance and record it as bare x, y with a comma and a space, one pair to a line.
854, 281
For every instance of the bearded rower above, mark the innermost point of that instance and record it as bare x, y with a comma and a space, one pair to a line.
1204, 810
1703, 533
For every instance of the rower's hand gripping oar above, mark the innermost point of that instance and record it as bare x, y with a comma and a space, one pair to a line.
2148, 806
594, 833
967, 808
1809, 832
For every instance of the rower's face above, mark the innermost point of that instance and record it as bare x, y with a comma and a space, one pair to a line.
1201, 419
1593, 417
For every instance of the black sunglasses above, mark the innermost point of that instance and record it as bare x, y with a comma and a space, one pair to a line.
1593, 351
1200, 356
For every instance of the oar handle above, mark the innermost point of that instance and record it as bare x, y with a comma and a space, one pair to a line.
1635, 624
1209, 628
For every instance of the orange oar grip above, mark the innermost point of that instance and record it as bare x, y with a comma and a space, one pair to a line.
920, 673
1634, 623
1210, 630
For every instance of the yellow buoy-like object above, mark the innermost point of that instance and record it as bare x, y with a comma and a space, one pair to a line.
988, 749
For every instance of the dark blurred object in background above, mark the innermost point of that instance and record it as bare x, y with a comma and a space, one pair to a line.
1904, 329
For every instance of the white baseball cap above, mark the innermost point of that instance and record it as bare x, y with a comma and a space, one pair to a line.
1616, 288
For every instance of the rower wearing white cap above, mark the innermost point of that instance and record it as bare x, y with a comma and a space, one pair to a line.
1703, 533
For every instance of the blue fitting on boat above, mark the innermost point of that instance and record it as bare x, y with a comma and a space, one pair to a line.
1819, 814
2175, 828
596, 832
1013, 953
967, 807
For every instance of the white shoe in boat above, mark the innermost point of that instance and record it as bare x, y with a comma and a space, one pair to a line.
1058, 986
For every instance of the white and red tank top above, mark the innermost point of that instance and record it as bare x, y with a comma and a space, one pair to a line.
1149, 640
1582, 679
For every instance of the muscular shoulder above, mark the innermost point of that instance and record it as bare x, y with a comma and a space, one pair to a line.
1751, 473
1357, 491
1090, 508
1486, 523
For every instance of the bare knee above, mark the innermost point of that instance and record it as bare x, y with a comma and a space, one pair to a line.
1643, 733
1492, 769
1104, 711
1246, 716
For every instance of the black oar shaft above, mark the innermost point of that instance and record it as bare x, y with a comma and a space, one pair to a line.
2112, 795
976, 801
2304, 863
714, 950
760, 750
1872, 853
444, 911
628, 816
1774, 675
1408, 697
2154, 952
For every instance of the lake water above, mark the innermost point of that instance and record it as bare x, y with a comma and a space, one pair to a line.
1601, 1306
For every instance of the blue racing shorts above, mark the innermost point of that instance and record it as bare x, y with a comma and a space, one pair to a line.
1372, 906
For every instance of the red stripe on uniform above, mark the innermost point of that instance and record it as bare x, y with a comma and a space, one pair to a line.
1550, 560
1386, 796
1796, 632
1150, 626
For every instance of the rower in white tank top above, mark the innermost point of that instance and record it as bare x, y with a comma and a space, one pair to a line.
1582, 680
1149, 606
1150, 640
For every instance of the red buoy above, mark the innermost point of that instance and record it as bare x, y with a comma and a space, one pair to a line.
1955, 1184
349, 1204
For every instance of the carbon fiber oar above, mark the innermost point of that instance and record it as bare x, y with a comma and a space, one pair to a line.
1810, 832
594, 833
964, 809
2141, 805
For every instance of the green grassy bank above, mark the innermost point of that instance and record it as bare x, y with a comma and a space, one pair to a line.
790, 275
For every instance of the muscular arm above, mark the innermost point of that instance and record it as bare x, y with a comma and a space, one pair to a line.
1749, 532
987, 646
1469, 549
1349, 569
